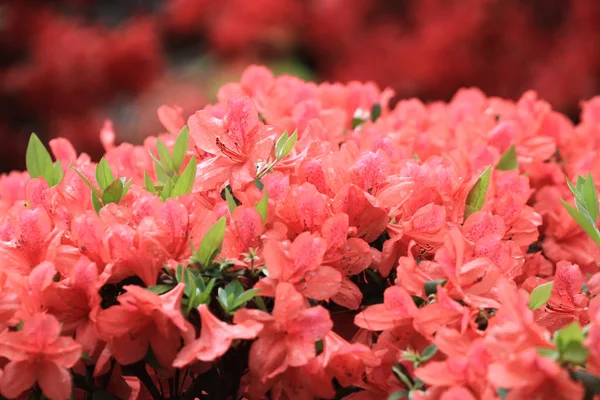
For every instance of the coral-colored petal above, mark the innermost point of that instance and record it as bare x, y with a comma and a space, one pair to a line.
55, 382
16, 378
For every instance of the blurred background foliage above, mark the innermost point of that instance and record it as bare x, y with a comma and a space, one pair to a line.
67, 65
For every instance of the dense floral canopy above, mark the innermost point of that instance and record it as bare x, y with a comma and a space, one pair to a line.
297, 240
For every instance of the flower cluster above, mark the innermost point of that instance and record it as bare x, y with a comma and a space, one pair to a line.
68, 63
297, 240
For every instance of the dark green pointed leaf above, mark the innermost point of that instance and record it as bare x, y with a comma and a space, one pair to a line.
476, 196
431, 286
375, 112
38, 160
540, 295
104, 175
180, 148
185, 182
429, 352
245, 297
211, 243
508, 161
160, 289
259, 184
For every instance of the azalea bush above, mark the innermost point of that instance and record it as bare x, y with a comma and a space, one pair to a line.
300, 241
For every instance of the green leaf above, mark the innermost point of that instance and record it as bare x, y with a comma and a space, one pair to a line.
579, 200
165, 156
231, 204
245, 297
204, 296
502, 393
508, 161
186, 179
280, 143
211, 243
591, 383
96, 203
113, 192
570, 333
431, 286
58, 174
95, 191
160, 289
167, 189
399, 371
428, 352
223, 299
476, 196
38, 160
540, 295
356, 122
375, 112
575, 353
149, 185
259, 184
180, 148
584, 221
398, 395
126, 186
104, 175
289, 144
161, 173
262, 206
569, 342
234, 288
590, 196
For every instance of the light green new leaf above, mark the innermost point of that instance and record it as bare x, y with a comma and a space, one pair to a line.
149, 185
113, 192
185, 182
508, 161
540, 295
95, 191
231, 204
280, 143
165, 156
289, 144
590, 195
476, 196
262, 206
245, 297
181, 147
583, 221
96, 203
211, 243
38, 160
58, 174
104, 175
167, 190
